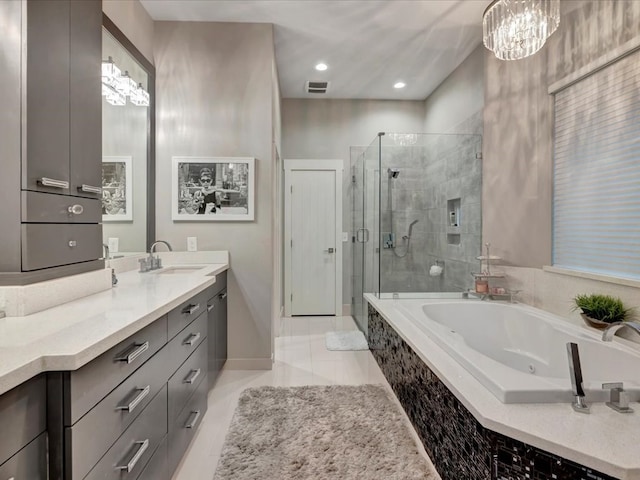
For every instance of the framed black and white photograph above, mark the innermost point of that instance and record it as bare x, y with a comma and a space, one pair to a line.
117, 184
209, 189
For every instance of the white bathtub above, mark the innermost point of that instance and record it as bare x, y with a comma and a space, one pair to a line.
519, 353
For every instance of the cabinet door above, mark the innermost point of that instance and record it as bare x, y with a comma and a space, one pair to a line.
85, 98
47, 110
221, 330
213, 307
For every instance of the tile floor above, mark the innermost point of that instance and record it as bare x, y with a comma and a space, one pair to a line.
300, 359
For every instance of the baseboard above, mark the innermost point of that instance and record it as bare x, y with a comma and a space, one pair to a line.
346, 309
248, 364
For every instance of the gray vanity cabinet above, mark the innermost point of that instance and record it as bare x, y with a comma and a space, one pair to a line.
131, 413
64, 103
23, 442
217, 317
50, 139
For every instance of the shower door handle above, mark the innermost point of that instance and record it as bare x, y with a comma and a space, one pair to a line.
329, 250
362, 235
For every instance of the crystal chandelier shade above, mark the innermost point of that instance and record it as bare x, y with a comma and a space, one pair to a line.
515, 29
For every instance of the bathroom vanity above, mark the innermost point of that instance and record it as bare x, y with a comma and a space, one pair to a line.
113, 385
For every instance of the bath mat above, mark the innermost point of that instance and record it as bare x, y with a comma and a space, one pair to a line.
335, 432
346, 340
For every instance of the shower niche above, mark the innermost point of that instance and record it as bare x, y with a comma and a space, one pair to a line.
453, 221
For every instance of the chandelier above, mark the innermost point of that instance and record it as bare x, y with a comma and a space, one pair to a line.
515, 29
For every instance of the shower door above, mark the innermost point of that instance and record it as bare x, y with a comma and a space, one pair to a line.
365, 240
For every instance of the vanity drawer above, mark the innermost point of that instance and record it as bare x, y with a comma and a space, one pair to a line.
157, 469
47, 245
40, 207
94, 433
126, 459
186, 342
183, 429
23, 416
86, 386
30, 463
181, 316
186, 380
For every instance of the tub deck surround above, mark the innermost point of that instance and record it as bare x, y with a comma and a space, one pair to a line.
68, 336
604, 440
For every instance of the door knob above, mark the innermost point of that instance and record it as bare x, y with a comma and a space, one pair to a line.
329, 250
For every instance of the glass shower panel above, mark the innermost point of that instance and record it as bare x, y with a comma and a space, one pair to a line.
430, 212
358, 304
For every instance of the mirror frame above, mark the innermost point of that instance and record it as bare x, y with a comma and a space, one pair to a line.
148, 67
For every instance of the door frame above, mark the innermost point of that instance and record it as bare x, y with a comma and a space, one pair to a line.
336, 166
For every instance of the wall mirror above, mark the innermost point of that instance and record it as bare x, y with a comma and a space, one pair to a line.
128, 144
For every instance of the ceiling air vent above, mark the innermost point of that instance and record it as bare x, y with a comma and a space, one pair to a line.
316, 87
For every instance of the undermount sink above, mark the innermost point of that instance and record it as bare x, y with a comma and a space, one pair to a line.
179, 270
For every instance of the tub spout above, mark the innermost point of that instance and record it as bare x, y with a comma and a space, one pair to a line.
611, 330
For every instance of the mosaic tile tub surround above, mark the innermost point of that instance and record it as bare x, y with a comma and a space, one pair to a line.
459, 446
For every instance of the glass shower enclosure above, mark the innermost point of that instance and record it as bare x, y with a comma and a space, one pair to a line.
417, 217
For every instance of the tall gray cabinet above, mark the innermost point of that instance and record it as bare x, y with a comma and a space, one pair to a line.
50, 139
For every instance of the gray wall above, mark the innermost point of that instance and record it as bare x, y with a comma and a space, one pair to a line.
456, 105
518, 125
134, 21
327, 129
216, 98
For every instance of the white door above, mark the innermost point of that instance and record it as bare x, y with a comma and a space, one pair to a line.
313, 242
313, 237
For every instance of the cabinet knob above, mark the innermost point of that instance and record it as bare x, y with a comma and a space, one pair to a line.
72, 243
76, 209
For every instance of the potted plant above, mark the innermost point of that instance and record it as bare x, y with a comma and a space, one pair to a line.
599, 311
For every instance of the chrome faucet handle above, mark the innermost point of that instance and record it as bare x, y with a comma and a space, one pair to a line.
619, 398
144, 265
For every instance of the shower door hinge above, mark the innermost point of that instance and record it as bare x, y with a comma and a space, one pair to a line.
479, 155
292, 243
292, 297
353, 179
291, 188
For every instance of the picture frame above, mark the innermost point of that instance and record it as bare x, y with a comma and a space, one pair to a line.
117, 189
212, 189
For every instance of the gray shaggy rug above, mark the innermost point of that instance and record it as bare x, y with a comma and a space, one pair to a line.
333, 432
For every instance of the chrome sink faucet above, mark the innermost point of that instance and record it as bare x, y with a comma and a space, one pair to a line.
151, 262
611, 330
107, 257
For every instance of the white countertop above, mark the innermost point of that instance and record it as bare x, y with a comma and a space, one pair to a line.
604, 440
68, 336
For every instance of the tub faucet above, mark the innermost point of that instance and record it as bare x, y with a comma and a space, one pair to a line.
575, 372
611, 330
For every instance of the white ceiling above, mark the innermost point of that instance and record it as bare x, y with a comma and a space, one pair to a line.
368, 44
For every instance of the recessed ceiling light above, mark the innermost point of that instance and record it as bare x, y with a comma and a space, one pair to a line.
400, 85
321, 67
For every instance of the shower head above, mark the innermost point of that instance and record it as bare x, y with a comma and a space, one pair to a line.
393, 172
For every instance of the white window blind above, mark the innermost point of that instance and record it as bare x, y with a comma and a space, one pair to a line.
596, 222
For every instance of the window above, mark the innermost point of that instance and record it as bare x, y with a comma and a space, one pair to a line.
596, 222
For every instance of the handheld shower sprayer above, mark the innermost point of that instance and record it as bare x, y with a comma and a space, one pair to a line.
408, 235
393, 172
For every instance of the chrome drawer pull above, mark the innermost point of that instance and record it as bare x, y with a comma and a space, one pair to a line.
190, 309
73, 243
195, 415
193, 374
136, 401
136, 457
191, 339
90, 189
130, 355
210, 307
52, 182
223, 296
76, 209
